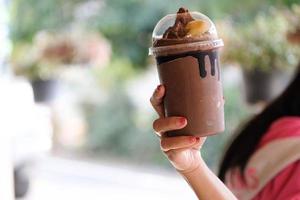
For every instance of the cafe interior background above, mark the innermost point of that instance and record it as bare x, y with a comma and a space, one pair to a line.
75, 82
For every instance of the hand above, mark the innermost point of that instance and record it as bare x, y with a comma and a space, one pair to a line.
182, 151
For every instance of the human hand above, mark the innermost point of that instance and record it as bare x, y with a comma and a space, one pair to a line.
182, 151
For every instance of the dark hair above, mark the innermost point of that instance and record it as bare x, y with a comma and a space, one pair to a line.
243, 146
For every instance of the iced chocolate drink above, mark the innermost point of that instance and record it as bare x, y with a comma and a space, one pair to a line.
186, 47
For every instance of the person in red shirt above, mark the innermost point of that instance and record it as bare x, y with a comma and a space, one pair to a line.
261, 163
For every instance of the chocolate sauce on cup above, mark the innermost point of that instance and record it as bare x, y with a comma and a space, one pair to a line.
213, 58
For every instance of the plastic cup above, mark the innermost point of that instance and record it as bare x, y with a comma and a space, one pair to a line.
189, 69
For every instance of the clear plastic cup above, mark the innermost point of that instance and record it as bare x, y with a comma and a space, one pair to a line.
188, 66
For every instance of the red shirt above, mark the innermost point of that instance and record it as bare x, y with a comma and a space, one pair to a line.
286, 184
273, 171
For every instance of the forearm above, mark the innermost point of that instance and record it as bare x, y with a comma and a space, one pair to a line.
206, 184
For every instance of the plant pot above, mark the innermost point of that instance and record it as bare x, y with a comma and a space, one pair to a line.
44, 90
263, 86
294, 37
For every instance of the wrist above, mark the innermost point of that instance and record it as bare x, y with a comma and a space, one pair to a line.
200, 163
188, 171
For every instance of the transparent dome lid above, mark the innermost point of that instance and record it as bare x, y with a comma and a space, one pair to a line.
182, 32
184, 26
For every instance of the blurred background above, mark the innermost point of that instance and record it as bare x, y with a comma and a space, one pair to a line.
75, 82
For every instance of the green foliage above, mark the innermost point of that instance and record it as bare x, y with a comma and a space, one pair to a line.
294, 18
111, 124
260, 44
114, 130
127, 24
285, 2
25, 63
116, 73
30, 16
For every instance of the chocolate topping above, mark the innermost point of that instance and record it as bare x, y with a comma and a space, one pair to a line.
178, 33
178, 30
184, 32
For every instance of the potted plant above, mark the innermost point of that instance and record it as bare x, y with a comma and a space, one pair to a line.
260, 48
40, 62
51, 53
294, 18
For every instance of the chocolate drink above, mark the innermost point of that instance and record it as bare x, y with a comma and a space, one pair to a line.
186, 49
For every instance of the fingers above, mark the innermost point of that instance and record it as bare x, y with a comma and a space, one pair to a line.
180, 142
157, 100
200, 143
169, 123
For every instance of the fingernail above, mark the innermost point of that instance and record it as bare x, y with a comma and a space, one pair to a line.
181, 121
192, 139
157, 90
158, 87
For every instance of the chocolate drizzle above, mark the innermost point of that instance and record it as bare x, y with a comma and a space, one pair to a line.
200, 56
